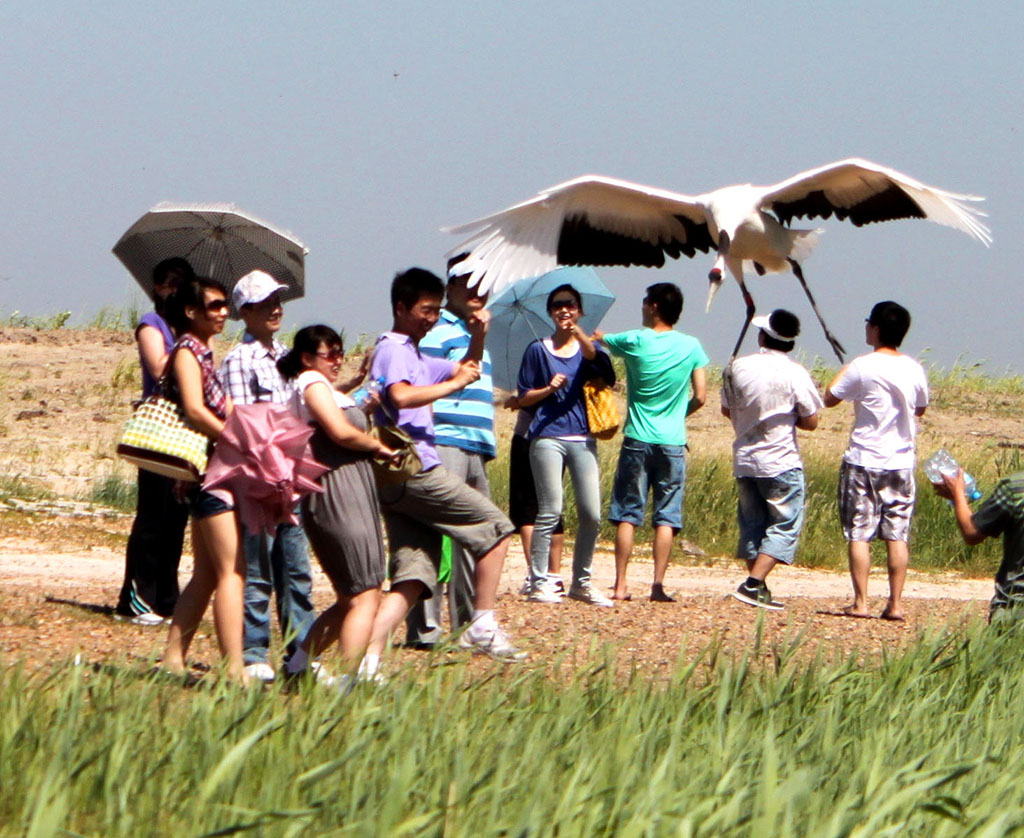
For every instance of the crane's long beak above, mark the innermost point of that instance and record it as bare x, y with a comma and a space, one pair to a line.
714, 283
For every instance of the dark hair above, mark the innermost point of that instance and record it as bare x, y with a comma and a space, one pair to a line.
455, 260
893, 322
409, 286
308, 339
176, 264
785, 323
668, 299
189, 293
571, 290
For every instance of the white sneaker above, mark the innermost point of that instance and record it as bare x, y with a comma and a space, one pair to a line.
492, 641
545, 592
587, 594
262, 672
148, 619
526, 588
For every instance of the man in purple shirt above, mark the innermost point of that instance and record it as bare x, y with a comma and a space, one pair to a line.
434, 502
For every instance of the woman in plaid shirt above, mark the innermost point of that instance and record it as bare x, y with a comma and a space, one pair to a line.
198, 310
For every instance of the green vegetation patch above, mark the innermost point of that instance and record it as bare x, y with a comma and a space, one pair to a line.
927, 741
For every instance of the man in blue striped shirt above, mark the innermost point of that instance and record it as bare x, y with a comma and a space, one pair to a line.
464, 436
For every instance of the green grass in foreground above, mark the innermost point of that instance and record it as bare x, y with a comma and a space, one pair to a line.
929, 741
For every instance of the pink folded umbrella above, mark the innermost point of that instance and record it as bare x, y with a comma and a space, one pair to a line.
263, 457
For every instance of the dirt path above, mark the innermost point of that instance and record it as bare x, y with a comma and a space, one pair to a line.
55, 604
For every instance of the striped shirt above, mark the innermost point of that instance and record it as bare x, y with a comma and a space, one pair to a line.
250, 373
465, 419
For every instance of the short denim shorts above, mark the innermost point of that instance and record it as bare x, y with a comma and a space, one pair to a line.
202, 504
643, 465
771, 514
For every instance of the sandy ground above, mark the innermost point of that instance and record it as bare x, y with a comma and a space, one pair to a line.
65, 394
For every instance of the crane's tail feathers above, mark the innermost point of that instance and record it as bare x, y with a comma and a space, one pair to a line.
802, 242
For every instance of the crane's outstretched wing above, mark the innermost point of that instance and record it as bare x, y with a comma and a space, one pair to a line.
591, 220
865, 192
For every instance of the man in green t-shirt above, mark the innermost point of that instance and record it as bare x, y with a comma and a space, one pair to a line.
665, 384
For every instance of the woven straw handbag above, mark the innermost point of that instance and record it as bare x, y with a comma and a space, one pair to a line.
602, 410
158, 438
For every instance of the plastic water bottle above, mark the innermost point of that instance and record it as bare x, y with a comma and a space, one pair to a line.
942, 462
363, 394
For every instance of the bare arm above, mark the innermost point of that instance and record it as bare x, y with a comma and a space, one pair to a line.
350, 384
830, 399
477, 325
190, 384
954, 489
699, 391
586, 344
807, 423
152, 349
538, 394
331, 418
404, 395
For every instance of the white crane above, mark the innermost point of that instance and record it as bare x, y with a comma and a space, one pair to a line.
596, 220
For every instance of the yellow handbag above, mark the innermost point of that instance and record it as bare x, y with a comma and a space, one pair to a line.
602, 410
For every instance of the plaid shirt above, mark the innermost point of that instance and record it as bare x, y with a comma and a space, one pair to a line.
213, 391
250, 373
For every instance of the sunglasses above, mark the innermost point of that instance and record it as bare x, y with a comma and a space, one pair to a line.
332, 355
569, 304
217, 305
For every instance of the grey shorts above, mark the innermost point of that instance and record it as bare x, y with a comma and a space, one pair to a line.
876, 502
431, 504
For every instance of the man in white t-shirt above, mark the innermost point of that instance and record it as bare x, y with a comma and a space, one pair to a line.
876, 481
767, 396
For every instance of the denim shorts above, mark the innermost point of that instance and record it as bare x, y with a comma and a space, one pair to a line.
204, 505
643, 465
771, 514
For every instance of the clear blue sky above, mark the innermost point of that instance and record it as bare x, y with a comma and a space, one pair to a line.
294, 113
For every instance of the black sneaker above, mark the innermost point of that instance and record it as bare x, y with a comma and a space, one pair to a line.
759, 596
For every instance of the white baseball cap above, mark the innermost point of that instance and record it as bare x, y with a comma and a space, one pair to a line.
254, 287
764, 323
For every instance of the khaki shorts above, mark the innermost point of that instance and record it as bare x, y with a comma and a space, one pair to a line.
876, 502
431, 504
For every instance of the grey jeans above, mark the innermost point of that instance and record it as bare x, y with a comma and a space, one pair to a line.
547, 456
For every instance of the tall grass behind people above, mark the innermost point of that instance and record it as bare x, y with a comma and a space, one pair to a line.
665, 384
198, 311
150, 588
432, 503
551, 379
342, 522
275, 563
876, 481
767, 396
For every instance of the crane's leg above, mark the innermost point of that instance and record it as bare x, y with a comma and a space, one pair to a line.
837, 347
750, 314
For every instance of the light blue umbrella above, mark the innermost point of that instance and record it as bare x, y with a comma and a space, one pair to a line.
519, 316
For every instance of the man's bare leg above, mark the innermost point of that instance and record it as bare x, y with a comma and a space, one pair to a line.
761, 566
860, 566
488, 575
624, 536
898, 555
663, 537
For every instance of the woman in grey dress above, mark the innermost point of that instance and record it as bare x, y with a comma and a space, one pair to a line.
342, 522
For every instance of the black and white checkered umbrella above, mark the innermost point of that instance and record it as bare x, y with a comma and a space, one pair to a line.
218, 240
